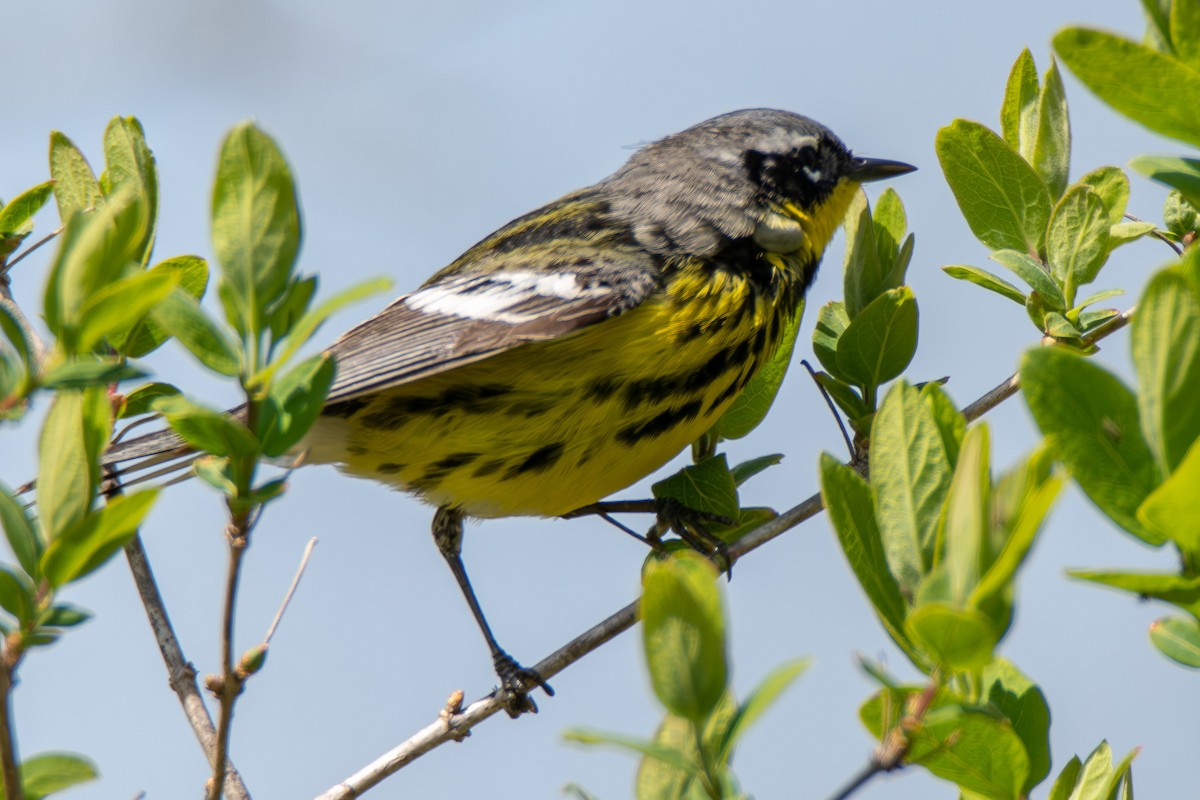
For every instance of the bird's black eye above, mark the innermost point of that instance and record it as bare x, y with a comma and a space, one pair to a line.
805, 174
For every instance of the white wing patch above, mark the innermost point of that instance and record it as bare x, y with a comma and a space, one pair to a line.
495, 297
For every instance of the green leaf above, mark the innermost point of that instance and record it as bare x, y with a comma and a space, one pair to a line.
1139, 82
1091, 420
140, 400
75, 431
113, 311
891, 223
1019, 112
667, 755
17, 595
832, 322
1180, 216
149, 335
207, 429
1127, 232
952, 426
293, 403
750, 407
1181, 174
1003, 200
911, 476
846, 397
1166, 354
129, 165
1184, 22
683, 632
1096, 297
1058, 326
954, 638
1112, 187
1177, 638
1077, 243
95, 249
15, 332
1064, 784
75, 185
881, 341
1033, 273
707, 486
981, 277
48, 773
255, 223
64, 615
307, 325
761, 698
19, 529
979, 753
16, 217
1052, 148
863, 272
1023, 704
851, 506
747, 519
91, 541
181, 316
1171, 509
663, 781
283, 316
965, 523
1035, 496
748, 469
1178, 590
89, 373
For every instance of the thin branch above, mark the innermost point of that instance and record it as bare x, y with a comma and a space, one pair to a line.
872, 769
287, 598
180, 673
812, 373
5, 269
228, 685
1157, 234
10, 658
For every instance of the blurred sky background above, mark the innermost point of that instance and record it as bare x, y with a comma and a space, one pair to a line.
414, 129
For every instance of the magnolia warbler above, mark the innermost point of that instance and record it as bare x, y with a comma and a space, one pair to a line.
583, 345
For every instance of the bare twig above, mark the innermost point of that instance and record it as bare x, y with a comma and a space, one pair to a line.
6, 268
832, 408
872, 769
287, 598
180, 673
228, 685
10, 659
454, 727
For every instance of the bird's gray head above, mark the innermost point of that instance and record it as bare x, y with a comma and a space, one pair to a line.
726, 179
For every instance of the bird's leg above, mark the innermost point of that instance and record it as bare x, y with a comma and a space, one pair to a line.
670, 515
515, 680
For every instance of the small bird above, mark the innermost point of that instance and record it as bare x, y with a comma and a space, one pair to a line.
580, 347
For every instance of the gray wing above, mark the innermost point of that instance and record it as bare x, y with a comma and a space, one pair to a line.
461, 318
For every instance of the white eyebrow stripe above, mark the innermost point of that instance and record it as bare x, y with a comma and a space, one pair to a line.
500, 293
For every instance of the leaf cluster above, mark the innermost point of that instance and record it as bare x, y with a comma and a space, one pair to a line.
1014, 192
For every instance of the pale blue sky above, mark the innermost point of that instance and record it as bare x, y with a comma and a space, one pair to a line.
415, 130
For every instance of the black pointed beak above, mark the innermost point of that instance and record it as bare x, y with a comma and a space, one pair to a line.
865, 170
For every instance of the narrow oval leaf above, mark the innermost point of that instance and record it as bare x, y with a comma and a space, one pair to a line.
965, 522
89, 543
957, 639
1178, 638
181, 316
911, 476
1091, 419
17, 596
207, 429
981, 277
16, 216
1141, 83
1178, 590
1018, 113
1077, 243
760, 699
707, 486
67, 453
255, 221
658, 779
49, 773
862, 273
149, 335
1171, 509
1166, 354
683, 632
832, 321
1003, 199
293, 403
881, 341
851, 505
113, 311
1023, 704
1112, 186
750, 407
22, 534
129, 165
75, 185
1033, 273
979, 753
1052, 148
